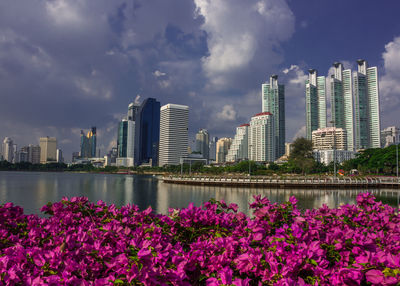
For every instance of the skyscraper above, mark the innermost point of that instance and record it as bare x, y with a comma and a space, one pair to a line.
239, 147
8, 150
88, 144
342, 102
147, 131
262, 138
48, 149
213, 149
273, 101
126, 139
315, 102
202, 143
174, 120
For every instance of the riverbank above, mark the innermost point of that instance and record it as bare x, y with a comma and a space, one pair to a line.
268, 182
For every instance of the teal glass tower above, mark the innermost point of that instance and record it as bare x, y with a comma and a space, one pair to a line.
273, 101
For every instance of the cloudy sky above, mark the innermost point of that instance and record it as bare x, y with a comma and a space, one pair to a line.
67, 65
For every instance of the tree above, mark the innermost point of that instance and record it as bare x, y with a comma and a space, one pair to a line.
301, 156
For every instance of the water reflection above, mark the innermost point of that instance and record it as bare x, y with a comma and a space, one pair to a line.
33, 190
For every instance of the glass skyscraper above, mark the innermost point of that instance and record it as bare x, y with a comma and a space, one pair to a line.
148, 132
273, 101
315, 103
88, 144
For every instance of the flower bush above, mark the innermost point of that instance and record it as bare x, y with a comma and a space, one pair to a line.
82, 243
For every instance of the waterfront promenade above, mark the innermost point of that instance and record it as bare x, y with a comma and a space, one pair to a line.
290, 183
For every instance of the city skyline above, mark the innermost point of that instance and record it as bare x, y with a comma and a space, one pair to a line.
67, 65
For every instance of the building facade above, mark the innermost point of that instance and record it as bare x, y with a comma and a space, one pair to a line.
315, 102
329, 138
239, 147
174, 121
48, 149
223, 146
273, 101
126, 141
202, 143
88, 144
390, 136
213, 149
326, 156
8, 150
147, 120
261, 142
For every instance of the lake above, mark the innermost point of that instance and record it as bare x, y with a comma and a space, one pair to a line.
32, 190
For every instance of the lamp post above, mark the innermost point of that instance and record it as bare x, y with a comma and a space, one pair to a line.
334, 150
397, 161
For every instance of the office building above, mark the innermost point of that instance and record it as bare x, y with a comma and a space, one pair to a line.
126, 143
329, 138
174, 120
223, 146
262, 138
88, 144
273, 101
367, 115
239, 147
202, 143
315, 102
147, 121
133, 109
48, 149
390, 136
213, 149
8, 150
30, 154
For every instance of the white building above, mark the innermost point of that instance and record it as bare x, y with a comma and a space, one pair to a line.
262, 138
8, 150
174, 121
329, 138
239, 147
390, 136
326, 156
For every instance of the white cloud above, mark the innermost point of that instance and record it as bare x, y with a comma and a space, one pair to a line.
158, 73
390, 81
64, 12
242, 34
228, 113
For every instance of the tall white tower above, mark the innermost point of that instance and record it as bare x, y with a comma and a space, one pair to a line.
174, 121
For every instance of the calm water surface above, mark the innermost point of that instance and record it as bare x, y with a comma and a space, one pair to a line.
32, 190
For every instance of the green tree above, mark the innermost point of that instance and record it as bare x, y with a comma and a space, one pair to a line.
301, 157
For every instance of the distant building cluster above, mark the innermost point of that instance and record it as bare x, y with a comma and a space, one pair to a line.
155, 135
45, 152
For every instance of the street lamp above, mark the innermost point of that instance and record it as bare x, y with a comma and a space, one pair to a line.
397, 161
334, 150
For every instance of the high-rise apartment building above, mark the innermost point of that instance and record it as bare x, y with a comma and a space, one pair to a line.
202, 143
315, 102
48, 149
223, 146
342, 102
8, 150
174, 121
239, 147
262, 141
273, 101
367, 115
147, 119
88, 144
329, 138
30, 154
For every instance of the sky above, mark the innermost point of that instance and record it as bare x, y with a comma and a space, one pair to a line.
67, 65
